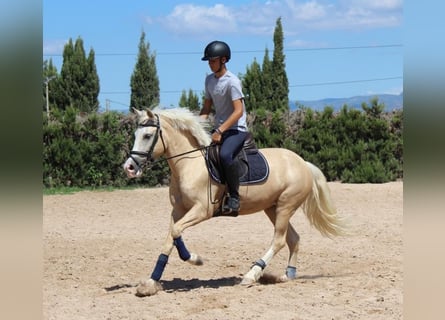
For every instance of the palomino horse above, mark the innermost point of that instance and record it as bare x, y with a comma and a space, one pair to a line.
292, 182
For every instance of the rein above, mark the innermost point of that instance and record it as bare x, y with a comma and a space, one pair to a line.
178, 155
148, 155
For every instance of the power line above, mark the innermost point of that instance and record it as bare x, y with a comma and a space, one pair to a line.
343, 82
248, 51
290, 86
117, 102
353, 47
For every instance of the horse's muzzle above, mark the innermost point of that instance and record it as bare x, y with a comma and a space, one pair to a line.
132, 169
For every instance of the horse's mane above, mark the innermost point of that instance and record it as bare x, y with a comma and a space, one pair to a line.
184, 120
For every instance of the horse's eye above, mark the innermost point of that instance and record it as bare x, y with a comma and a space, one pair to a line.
147, 136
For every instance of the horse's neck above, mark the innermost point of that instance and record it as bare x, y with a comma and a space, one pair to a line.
179, 144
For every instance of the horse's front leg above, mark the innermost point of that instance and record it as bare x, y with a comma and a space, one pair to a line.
174, 239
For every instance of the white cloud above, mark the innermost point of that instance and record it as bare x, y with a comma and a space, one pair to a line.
189, 18
393, 90
396, 90
297, 16
54, 47
299, 43
308, 11
368, 13
149, 20
384, 5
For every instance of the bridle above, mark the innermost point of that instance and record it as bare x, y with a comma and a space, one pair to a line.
158, 133
148, 155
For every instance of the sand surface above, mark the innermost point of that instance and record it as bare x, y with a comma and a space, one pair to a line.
99, 245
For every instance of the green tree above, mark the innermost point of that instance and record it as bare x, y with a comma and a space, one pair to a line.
252, 86
144, 80
92, 86
280, 83
267, 83
78, 85
351, 145
266, 89
189, 101
183, 99
258, 85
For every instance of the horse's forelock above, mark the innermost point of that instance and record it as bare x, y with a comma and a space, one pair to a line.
141, 116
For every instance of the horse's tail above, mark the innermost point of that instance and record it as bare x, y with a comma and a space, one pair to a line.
319, 208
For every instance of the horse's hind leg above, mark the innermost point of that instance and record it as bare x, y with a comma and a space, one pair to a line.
280, 218
293, 241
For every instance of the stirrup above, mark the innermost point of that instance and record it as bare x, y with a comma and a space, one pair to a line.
224, 210
231, 205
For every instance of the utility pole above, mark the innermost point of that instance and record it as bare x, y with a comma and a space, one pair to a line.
47, 80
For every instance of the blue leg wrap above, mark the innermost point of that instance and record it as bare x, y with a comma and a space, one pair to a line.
260, 263
160, 266
184, 254
291, 272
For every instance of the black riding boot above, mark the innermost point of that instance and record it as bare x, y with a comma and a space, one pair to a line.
232, 180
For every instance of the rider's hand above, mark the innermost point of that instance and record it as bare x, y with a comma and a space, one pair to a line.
216, 137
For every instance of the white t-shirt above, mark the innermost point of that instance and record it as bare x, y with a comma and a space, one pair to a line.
222, 91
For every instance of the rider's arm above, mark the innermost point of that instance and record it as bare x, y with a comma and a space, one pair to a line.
234, 117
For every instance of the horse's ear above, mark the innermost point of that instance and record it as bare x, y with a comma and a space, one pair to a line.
140, 114
150, 113
136, 111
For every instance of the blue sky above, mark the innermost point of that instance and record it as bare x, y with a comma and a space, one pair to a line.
333, 48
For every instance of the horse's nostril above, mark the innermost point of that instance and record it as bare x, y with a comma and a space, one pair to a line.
130, 167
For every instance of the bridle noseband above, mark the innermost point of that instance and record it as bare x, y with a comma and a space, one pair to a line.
158, 133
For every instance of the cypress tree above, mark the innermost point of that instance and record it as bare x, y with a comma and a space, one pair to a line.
183, 99
77, 67
252, 86
79, 83
280, 84
92, 86
267, 94
144, 80
66, 77
193, 101
267, 83
189, 101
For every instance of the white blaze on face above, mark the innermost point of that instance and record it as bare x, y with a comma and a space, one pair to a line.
142, 143
144, 138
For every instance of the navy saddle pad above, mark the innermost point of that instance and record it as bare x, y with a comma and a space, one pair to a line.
253, 167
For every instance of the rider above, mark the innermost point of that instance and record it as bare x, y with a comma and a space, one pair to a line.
223, 91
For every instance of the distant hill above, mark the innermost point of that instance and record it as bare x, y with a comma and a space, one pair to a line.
391, 101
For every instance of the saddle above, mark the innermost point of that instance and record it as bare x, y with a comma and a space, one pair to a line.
253, 167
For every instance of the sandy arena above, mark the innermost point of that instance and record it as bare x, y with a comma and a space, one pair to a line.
99, 245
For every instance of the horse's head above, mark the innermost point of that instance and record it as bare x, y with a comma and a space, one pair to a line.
145, 146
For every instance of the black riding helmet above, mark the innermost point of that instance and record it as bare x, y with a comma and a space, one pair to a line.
216, 49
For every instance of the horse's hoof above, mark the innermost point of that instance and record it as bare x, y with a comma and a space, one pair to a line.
283, 278
195, 260
148, 288
248, 282
251, 277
